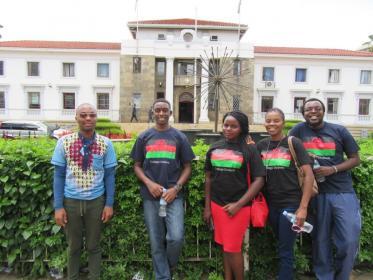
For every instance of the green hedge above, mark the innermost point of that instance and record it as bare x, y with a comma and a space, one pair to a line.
289, 124
31, 243
103, 120
105, 126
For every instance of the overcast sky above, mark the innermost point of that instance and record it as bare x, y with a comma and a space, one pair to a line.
343, 24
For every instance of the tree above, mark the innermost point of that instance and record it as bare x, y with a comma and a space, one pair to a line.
368, 46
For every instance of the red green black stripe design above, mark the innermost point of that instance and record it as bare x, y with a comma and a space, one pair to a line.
320, 147
226, 158
160, 149
276, 158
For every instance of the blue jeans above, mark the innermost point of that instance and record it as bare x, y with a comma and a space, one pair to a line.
166, 235
339, 224
286, 238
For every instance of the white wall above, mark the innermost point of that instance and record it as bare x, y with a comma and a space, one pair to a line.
51, 83
174, 46
152, 34
348, 90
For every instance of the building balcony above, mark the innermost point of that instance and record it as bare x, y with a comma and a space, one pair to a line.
332, 117
364, 118
186, 80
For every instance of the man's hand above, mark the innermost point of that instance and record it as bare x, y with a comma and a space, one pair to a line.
170, 195
324, 171
60, 217
107, 213
155, 190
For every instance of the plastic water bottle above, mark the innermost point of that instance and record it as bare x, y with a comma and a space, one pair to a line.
317, 165
307, 227
162, 206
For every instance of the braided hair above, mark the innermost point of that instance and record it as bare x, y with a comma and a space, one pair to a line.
243, 121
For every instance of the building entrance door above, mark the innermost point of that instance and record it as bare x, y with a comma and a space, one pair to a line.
186, 108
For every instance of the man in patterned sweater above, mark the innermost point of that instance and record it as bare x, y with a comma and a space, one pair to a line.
84, 182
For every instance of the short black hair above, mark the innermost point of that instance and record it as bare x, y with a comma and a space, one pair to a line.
313, 99
162, 100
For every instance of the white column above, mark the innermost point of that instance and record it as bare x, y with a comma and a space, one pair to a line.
203, 108
170, 83
195, 92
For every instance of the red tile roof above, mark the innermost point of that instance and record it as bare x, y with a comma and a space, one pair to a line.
188, 21
117, 46
310, 51
60, 45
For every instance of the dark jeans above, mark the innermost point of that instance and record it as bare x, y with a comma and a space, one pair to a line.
84, 215
286, 238
338, 225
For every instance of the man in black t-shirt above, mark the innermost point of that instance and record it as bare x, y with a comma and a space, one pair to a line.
338, 218
163, 158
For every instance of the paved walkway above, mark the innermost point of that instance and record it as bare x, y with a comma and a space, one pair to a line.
362, 276
357, 275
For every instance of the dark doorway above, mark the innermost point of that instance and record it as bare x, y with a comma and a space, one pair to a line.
160, 95
186, 108
186, 112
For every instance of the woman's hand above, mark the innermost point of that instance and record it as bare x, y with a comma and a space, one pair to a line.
232, 208
207, 215
300, 216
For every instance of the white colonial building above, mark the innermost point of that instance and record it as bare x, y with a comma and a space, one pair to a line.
342, 79
164, 59
43, 80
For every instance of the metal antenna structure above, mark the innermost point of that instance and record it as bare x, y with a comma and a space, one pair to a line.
222, 78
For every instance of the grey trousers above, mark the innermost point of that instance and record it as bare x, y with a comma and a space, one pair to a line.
84, 218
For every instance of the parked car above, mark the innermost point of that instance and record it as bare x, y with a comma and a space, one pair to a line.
59, 132
14, 129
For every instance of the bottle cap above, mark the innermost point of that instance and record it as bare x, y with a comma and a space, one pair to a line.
296, 228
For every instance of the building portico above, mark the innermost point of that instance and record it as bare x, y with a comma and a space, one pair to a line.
179, 45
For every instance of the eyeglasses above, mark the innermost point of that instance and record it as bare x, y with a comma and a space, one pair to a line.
85, 115
310, 109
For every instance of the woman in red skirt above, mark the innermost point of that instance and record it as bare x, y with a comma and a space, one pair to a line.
227, 196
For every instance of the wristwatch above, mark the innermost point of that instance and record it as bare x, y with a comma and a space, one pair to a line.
178, 187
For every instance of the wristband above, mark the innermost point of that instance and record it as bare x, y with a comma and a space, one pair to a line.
335, 168
178, 187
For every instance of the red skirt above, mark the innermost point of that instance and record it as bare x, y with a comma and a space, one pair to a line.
230, 231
